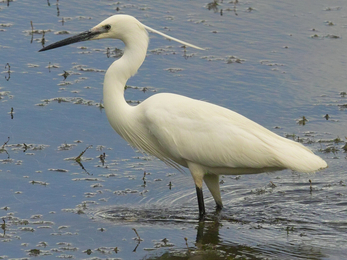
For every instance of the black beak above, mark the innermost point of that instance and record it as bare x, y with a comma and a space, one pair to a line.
85, 36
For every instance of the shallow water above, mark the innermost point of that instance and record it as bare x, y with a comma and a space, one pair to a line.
272, 61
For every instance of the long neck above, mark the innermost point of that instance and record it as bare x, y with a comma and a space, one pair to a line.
117, 110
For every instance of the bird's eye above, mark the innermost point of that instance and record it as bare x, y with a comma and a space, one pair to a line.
107, 27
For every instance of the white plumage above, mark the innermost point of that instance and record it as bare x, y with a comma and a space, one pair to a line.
208, 139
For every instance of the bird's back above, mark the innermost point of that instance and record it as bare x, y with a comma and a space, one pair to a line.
184, 129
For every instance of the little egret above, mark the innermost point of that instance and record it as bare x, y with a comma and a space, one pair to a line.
208, 139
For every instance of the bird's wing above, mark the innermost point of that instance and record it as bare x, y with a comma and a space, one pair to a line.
214, 136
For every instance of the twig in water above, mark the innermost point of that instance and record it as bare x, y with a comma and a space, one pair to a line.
78, 158
137, 234
32, 31
186, 239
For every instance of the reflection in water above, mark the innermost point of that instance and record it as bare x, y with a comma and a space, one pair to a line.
210, 246
209, 243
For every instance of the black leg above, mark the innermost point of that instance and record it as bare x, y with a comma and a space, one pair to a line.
218, 210
219, 207
201, 203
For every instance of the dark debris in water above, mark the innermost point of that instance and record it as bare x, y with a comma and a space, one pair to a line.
270, 63
228, 59
114, 53
8, 147
66, 146
328, 36
219, 7
40, 32
302, 121
39, 182
143, 89
329, 23
331, 149
62, 33
332, 36
58, 170
88, 179
86, 69
163, 51
6, 24
233, 59
74, 100
213, 58
52, 66
336, 8
173, 70
326, 145
82, 101
34, 252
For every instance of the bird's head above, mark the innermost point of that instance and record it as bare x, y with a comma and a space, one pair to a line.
123, 27
116, 27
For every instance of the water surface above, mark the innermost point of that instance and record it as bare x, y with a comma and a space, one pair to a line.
272, 61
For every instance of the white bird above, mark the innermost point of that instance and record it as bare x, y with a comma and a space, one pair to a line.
208, 139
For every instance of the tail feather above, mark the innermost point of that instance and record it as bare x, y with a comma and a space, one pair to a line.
299, 158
